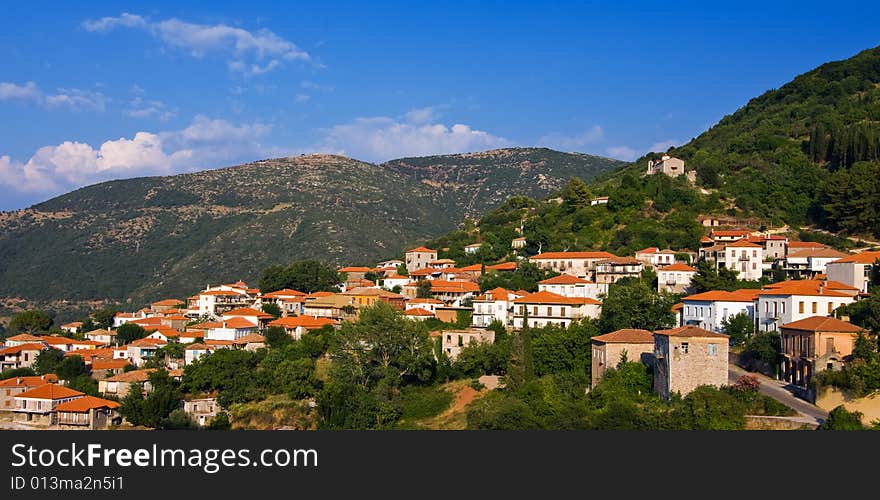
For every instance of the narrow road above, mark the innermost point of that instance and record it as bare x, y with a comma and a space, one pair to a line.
776, 390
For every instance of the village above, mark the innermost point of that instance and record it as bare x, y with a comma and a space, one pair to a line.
424, 287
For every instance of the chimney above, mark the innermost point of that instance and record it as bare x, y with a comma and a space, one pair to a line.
18, 381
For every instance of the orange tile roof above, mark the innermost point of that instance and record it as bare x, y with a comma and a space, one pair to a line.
301, 321
803, 287
59, 340
443, 286
622, 261
238, 323
424, 301
86, 403
24, 337
248, 311
75, 324
504, 266
147, 342
678, 266
690, 331
228, 293
211, 342
418, 311
441, 261
647, 250
424, 272
395, 277
553, 298
250, 338
314, 295
806, 244
50, 391
176, 317
132, 376
472, 268
563, 279
626, 336
198, 334
573, 255
109, 364
822, 324
167, 302
745, 295
155, 321
421, 249
743, 243
196, 347
354, 269
32, 381
859, 258
22, 347
207, 325
732, 232
817, 253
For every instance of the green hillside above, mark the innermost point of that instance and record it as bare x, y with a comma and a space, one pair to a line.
153, 237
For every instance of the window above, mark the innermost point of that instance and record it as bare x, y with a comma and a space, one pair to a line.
713, 349
830, 308
814, 308
549, 311
754, 266
684, 347
801, 307
536, 310
460, 341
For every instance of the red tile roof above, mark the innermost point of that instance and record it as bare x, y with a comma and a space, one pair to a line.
86, 403
626, 336
421, 249
167, 302
308, 322
354, 269
504, 266
690, 331
238, 323
424, 301
564, 279
553, 298
250, 338
287, 292
745, 295
24, 337
248, 311
109, 364
22, 347
678, 266
743, 243
418, 311
50, 391
33, 381
859, 258
822, 324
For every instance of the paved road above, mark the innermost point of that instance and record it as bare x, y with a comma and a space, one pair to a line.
776, 390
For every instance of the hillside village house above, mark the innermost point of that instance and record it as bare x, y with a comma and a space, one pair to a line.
546, 308
71, 327
164, 305
814, 344
580, 264
722, 236
442, 263
853, 270
493, 305
14, 386
231, 329
143, 349
105, 337
20, 356
747, 259
201, 410
418, 314
427, 304
572, 286
675, 278
472, 248
354, 272
667, 165
365, 297
518, 243
418, 258
195, 351
790, 301
87, 412
38, 405
297, 326
394, 280
105, 368
453, 341
253, 316
453, 293
809, 262
609, 271
688, 357
608, 350
334, 306
708, 310
655, 257
22, 338
215, 300
601, 200
289, 301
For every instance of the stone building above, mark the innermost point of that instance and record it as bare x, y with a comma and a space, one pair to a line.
609, 349
688, 357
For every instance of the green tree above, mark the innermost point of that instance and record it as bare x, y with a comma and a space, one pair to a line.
401, 270
739, 327
84, 384
70, 367
48, 361
423, 291
103, 318
841, 419
129, 332
305, 275
132, 405
220, 422
17, 372
277, 336
271, 308
630, 303
31, 322
178, 419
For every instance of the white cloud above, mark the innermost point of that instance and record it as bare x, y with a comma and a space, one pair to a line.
206, 143
250, 53
70, 99
662, 146
142, 108
575, 142
622, 153
27, 92
76, 100
422, 115
382, 138
302, 98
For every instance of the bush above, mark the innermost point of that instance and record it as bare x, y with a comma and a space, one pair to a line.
423, 402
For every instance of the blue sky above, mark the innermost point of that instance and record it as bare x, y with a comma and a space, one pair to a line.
115, 90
